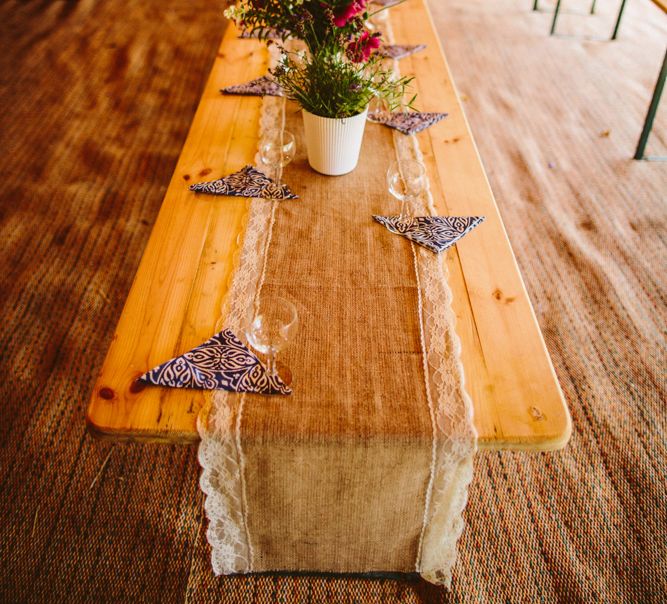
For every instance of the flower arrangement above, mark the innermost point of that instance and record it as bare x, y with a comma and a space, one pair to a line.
339, 72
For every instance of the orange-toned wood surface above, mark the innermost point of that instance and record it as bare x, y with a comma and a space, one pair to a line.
175, 300
662, 4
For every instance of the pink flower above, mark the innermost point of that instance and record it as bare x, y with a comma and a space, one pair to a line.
351, 10
360, 50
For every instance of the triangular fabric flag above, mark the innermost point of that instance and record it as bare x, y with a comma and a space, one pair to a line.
399, 51
221, 363
407, 122
437, 233
267, 34
263, 86
247, 182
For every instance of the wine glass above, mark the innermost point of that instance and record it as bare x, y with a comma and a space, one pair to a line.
271, 325
277, 151
406, 180
377, 106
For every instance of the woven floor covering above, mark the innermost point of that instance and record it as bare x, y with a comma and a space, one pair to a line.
96, 100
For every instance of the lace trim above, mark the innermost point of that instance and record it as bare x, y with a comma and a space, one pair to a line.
454, 435
220, 452
454, 438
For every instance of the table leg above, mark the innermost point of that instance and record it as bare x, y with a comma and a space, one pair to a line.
618, 20
593, 7
652, 110
535, 7
553, 23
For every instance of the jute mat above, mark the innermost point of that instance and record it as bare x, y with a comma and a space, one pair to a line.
96, 100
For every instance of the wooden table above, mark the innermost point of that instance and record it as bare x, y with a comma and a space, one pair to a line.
175, 300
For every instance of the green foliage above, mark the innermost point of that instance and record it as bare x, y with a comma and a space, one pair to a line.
309, 20
340, 72
331, 86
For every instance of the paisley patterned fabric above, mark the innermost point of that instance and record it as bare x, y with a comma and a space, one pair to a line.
437, 233
407, 122
247, 182
222, 362
400, 51
263, 86
266, 34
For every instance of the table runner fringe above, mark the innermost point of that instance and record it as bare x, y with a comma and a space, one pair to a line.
454, 438
267, 122
220, 451
427, 385
242, 480
454, 435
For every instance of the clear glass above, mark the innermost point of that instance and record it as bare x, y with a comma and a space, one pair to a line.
377, 105
270, 326
277, 152
406, 181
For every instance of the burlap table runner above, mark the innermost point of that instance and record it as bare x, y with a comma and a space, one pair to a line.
366, 466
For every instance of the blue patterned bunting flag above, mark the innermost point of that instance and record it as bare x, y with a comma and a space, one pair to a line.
221, 363
407, 122
400, 51
263, 86
247, 182
264, 33
436, 233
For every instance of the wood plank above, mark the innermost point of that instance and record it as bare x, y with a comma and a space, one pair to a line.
175, 300
176, 296
509, 375
661, 4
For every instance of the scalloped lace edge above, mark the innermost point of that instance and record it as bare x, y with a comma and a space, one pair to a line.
220, 453
454, 437
454, 434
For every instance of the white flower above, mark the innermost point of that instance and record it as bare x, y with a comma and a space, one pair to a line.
235, 12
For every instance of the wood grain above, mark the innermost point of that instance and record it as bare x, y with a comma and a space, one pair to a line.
175, 300
662, 4
97, 102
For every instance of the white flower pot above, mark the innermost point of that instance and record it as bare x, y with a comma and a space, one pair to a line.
333, 144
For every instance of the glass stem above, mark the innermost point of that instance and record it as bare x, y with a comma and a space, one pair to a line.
271, 362
278, 175
406, 210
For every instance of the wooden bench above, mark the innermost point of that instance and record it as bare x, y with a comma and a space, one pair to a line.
175, 300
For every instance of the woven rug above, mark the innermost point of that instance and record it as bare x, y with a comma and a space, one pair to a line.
96, 102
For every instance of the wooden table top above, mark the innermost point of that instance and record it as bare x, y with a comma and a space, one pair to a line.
175, 300
661, 4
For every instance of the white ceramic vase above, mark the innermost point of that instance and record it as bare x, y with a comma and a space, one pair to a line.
333, 145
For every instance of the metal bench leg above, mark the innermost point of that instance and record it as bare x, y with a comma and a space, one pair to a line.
652, 109
618, 20
535, 7
553, 23
593, 7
